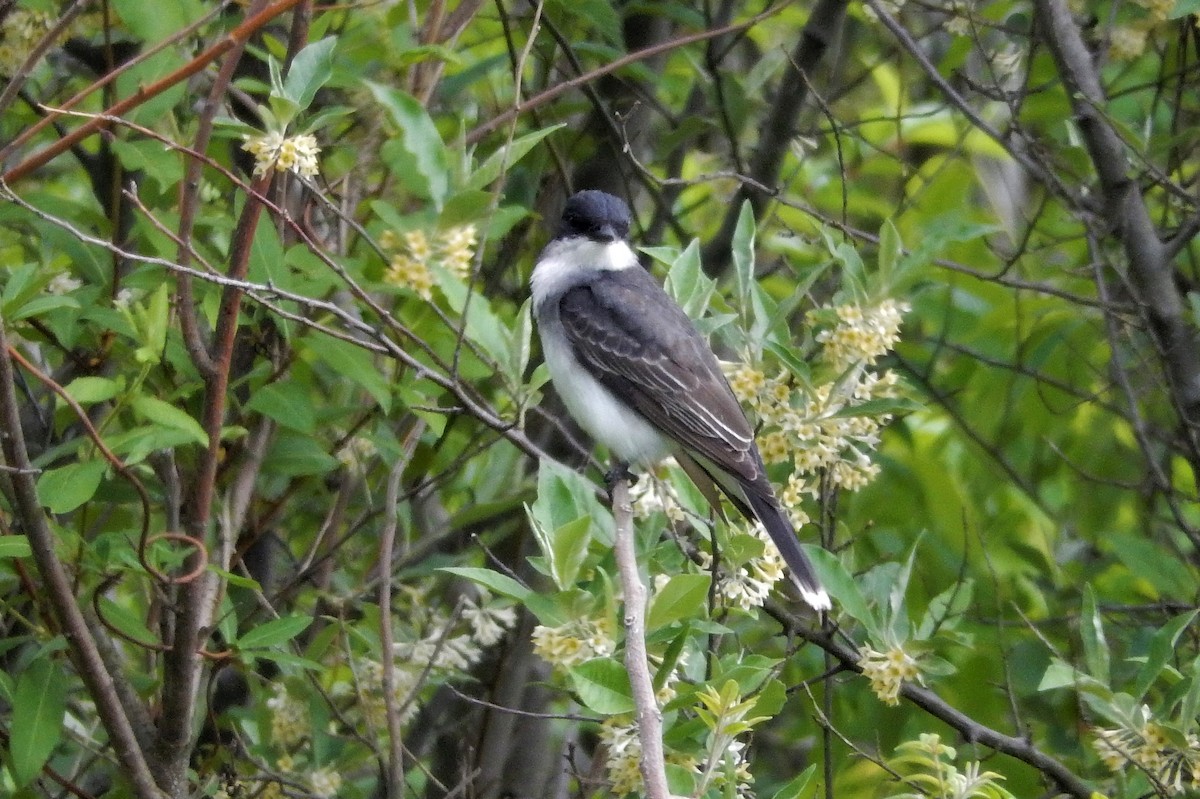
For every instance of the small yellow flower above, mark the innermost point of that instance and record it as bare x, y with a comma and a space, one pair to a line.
1126, 43
574, 642
271, 150
418, 245
410, 273
887, 671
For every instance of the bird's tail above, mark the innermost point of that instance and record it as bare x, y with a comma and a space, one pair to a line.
768, 511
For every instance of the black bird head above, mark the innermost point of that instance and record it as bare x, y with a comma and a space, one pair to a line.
595, 215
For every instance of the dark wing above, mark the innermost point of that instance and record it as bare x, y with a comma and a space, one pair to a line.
638, 343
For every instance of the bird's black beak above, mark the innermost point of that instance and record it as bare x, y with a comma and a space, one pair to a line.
607, 233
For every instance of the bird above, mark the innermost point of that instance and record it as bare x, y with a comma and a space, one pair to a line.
636, 374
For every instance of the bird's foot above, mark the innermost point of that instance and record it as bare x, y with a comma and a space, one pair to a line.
619, 471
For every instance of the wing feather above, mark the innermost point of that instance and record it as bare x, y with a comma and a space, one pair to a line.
633, 338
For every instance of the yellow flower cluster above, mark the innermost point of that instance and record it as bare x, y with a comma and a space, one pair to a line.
862, 334
325, 783
651, 494
749, 585
1148, 746
574, 642
814, 428
296, 154
958, 19
887, 671
22, 30
289, 718
623, 751
369, 690
1128, 41
413, 254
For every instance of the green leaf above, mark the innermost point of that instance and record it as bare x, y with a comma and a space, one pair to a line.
890, 250
684, 596
295, 454
419, 138
1060, 674
353, 363
687, 283
151, 319
39, 702
945, 609
505, 157
64, 489
1190, 706
1162, 649
275, 632
151, 21
288, 403
14, 546
89, 390
803, 786
564, 548
310, 70
492, 580
126, 622
602, 685
743, 259
521, 344
152, 409
1091, 629
843, 590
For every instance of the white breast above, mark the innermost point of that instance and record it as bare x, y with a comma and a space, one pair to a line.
564, 264
608, 420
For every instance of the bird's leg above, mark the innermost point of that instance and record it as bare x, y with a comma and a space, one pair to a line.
619, 471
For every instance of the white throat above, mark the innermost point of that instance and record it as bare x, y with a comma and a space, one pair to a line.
564, 262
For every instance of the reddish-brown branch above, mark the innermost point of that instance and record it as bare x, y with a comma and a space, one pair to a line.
234, 38
182, 663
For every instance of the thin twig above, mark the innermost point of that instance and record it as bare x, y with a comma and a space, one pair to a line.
387, 539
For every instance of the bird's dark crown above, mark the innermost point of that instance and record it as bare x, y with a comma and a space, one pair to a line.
596, 215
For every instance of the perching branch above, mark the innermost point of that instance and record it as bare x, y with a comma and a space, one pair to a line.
648, 714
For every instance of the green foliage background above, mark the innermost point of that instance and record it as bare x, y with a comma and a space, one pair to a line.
276, 407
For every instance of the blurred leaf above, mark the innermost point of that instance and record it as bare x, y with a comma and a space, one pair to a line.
14, 546
496, 582
353, 363
126, 621
1162, 650
64, 489
803, 786
602, 685
684, 596
274, 632
286, 402
419, 138
310, 70
843, 590
152, 409
743, 260
88, 390
39, 703
504, 158
1091, 629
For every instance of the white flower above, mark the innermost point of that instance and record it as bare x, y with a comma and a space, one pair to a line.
63, 283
